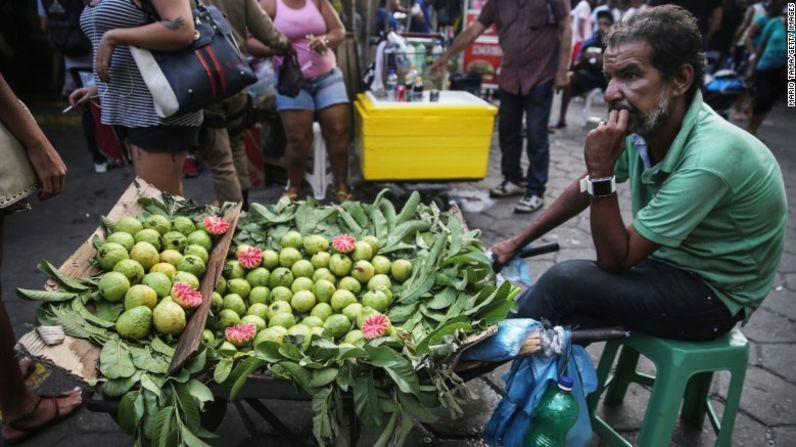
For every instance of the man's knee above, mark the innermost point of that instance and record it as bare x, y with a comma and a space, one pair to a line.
565, 276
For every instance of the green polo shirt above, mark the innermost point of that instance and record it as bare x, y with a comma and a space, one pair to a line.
716, 204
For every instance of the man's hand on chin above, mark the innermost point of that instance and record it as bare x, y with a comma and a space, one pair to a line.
605, 144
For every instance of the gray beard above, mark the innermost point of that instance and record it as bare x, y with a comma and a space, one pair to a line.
647, 122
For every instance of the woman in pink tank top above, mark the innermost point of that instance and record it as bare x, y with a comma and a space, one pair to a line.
314, 30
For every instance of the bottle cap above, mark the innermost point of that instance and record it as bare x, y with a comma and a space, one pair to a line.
565, 383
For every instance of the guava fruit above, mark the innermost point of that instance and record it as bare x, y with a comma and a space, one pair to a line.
249, 257
157, 222
129, 225
355, 337
292, 239
260, 294
281, 293
401, 270
337, 325
207, 337
302, 301
131, 269
280, 276
343, 243
196, 250
113, 286
270, 259
258, 277
362, 271
227, 349
173, 240
159, 282
342, 298
301, 284
109, 254
227, 318
352, 311
186, 296
322, 311
365, 314
376, 299
232, 269
302, 269
184, 225
278, 307
239, 286
315, 243
221, 286
164, 268
168, 317
256, 320
374, 243
258, 309
270, 334
172, 257
324, 273
216, 302
351, 284
379, 281
215, 225
135, 323
201, 238
387, 292
192, 264
376, 325
140, 295
362, 251
381, 265
146, 254
312, 321
321, 259
149, 235
288, 256
284, 319
187, 277
340, 264
323, 290
235, 303
126, 240
299, 329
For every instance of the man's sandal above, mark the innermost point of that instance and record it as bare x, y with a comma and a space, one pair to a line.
343, 196
26, 431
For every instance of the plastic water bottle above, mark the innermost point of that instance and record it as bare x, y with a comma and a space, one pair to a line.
392, 84
420, 57
554, 416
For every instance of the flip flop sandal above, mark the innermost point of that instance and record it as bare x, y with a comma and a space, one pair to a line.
30, 431
343, 196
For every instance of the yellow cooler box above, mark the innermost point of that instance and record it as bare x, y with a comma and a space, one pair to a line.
447, 139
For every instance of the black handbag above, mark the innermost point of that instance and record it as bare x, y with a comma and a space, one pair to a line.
211, 69
291, 79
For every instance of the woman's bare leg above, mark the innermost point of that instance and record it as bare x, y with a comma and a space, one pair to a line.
298, 130
163, 170
334, 126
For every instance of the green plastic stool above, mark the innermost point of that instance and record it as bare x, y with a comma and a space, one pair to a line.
682, 369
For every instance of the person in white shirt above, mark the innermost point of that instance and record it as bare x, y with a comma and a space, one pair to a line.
581, 21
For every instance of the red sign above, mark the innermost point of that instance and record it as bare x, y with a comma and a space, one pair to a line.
484, 55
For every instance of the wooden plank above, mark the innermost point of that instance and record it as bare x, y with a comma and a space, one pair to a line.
191, 336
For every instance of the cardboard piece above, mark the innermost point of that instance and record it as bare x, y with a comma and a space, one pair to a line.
79, 358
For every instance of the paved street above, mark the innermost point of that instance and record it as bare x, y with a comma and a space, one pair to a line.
768, 408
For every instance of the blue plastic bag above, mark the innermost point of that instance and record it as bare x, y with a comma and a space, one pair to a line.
527, 380
505, 344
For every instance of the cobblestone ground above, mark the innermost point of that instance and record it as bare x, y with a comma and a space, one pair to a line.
768, 405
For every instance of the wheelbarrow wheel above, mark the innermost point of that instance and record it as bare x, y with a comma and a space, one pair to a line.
213, 413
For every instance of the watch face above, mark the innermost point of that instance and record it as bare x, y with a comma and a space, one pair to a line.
601, 188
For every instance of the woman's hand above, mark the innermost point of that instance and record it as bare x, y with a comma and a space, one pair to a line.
49, 167
319, 44
102, 64
79, 96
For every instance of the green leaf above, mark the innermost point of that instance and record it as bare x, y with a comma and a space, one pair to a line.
423, 285
115, 360
498, 296
357, 212
197, 364
117, 387
269, 351
409, 209
242, 372
263, 215
144, 360
163, 431
190, 439
351, 353
77, 306
416, 409
223, 368
290, 351
350, 222
389, 430
126, 415
149, 384
456, 234
323, 377
379, 224
366, 401
300, 375
109, 311
45, 295
58, 276
399, 368
189, 405
442, 300
400, 313
388, 209
476, 256
158, 345
201, 392
321, 421
459, 323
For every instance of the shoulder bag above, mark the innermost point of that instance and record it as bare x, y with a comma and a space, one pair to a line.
211, 69
17, 178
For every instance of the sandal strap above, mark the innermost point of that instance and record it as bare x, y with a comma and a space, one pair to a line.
27, 416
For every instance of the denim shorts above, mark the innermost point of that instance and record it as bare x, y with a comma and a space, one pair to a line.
161, 139
318, 93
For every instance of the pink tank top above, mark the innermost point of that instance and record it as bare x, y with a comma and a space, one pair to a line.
296, 24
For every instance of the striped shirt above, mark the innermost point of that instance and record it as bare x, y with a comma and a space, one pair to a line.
126, 101
529, 40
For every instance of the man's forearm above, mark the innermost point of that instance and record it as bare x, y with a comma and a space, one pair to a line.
464, 39
565, 33
608, 233
571, 203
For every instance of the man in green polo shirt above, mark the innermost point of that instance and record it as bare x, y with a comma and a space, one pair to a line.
709, 206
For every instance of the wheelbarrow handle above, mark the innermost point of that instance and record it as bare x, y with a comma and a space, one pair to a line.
580, 336
535, 250
102, 405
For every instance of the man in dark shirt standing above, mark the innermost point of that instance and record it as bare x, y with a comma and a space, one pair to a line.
536, 39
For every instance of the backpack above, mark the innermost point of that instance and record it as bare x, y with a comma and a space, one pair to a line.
63, 27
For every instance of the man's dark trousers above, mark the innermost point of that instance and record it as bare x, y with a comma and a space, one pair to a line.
536, 106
